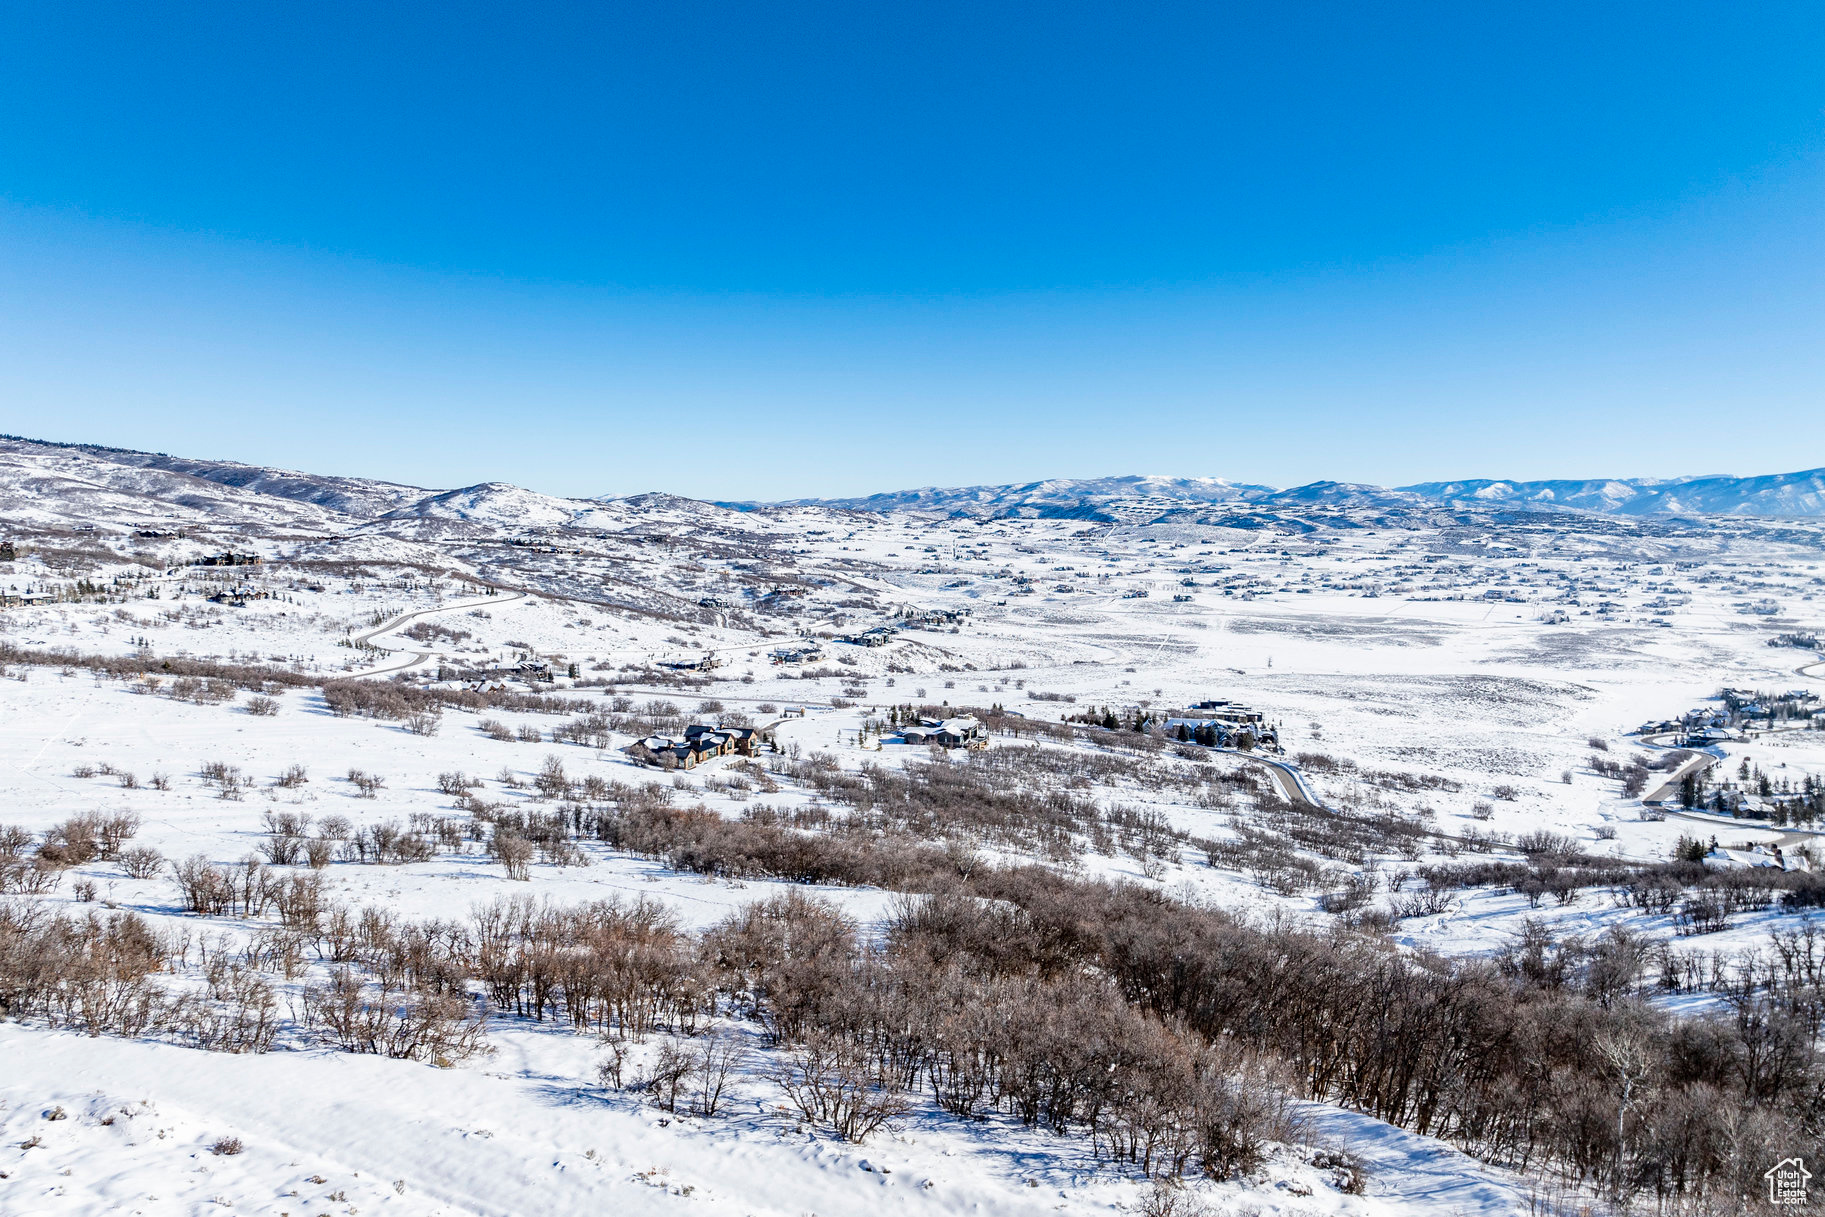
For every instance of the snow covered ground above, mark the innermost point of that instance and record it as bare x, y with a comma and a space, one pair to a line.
1453, 677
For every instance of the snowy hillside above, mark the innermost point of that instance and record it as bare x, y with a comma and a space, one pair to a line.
1266, 852
136, 473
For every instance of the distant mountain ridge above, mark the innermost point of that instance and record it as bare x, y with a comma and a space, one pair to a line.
1125, 498
1772, 494
47, 483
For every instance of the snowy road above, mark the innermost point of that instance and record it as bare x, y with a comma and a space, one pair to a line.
419, 657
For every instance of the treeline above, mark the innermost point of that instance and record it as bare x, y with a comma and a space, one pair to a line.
207, 680
258, 678
400, 700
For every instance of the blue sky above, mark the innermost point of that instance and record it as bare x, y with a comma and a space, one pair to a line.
768, 251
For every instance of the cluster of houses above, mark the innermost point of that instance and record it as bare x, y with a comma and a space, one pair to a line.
701, 743
229, 559
1746, 705
1708, 725
1698, 728
239, 596
965, 731
804, 652
494, 679
1221, 723
932, 619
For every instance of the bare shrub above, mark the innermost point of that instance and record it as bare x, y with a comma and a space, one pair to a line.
386, 1019
262, 707
550, 782
367, 784
206, 889
668, 1076
513, 852
29, 877
1170, 1198
716, 1062
613, 1066
75, 841
836, 1085
141, 862
14, 841
113, 830
226, 1146
285, 832
456, 782
293, 777
1547, 844
229, 781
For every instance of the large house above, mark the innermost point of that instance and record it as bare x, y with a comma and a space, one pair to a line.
703, 742
964, 732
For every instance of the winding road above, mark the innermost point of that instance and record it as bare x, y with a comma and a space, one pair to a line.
419, 657
1694, 762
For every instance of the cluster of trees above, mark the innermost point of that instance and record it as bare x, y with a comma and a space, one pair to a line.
1632, 773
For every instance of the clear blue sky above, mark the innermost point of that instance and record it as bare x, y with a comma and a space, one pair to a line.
745, 250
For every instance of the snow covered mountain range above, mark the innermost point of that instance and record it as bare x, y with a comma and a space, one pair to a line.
47, 483
1771, 495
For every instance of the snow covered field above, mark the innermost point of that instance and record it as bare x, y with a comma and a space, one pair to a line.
1453, 686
